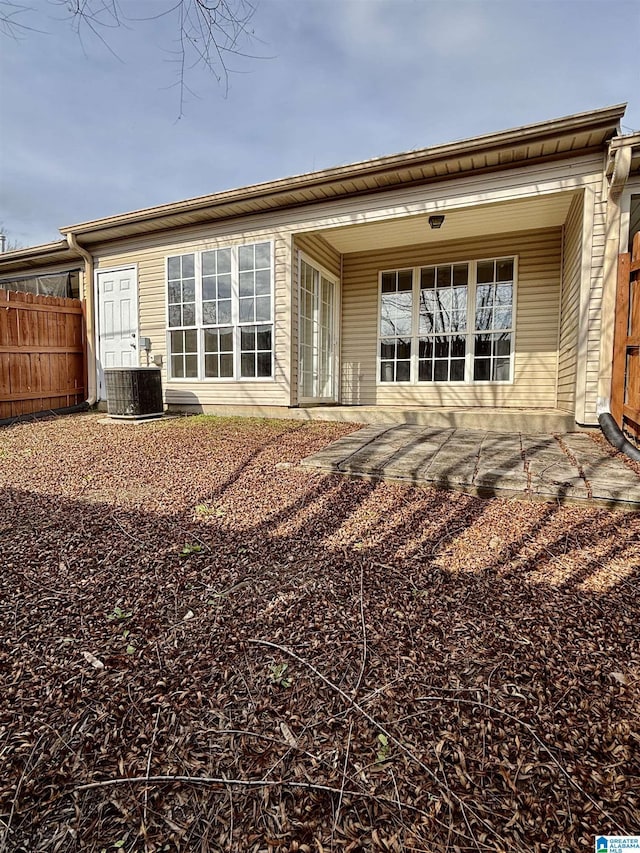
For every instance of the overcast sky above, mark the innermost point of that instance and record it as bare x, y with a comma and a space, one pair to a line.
85, 133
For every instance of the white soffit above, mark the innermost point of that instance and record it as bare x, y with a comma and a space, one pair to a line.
546, 211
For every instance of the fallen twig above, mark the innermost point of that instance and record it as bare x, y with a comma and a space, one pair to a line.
538, 740
364, 633
344, 771
261, 783
146, 790
213, 780
389, 735
7, 829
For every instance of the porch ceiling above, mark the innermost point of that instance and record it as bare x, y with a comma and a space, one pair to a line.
546, 211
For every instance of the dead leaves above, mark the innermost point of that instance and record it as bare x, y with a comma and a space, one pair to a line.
507, 688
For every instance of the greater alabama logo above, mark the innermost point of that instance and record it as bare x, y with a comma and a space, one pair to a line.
618, 844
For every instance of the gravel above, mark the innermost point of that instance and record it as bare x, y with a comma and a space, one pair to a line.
205, 647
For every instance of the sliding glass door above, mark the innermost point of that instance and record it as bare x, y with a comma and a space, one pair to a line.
317, 335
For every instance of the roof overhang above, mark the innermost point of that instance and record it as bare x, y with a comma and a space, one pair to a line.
57, 254
573, 135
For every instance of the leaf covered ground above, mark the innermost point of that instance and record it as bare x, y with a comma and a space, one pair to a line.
283, 661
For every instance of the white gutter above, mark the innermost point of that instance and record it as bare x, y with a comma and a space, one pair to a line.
619, 165
89, 316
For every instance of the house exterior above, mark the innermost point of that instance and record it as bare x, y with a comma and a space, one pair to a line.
478, 275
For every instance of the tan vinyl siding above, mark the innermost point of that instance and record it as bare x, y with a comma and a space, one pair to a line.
150, 255
536, 336
570, 306
316, 248
538, 296
593, 247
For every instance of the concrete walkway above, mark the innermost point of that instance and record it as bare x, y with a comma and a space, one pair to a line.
568, 468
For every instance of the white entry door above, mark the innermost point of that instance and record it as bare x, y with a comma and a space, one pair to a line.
117, 321
317, 335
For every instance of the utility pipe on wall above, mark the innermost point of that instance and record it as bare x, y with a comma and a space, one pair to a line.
608, 425
621, 168
89, 314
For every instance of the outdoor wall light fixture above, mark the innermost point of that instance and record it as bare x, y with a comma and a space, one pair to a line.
436, 221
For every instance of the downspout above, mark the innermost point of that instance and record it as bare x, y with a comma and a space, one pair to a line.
615, 436
92, 389
611, 430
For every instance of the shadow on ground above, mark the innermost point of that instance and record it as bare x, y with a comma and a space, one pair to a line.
444, 670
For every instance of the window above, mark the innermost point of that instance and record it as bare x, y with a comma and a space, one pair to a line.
255, 350
396, 310
220, 313
255, 283
448, 323
184, 354
494, 321
218, 353
442, 323
216, 287
182, 291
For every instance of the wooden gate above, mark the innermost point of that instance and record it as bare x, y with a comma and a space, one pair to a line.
42, 361
625, 380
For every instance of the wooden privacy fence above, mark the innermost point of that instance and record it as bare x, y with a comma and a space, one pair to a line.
625, 380
42, 361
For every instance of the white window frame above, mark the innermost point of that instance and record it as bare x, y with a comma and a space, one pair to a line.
235, 323
470, 333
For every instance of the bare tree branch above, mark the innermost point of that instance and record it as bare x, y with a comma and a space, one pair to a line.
13, 18
208, 33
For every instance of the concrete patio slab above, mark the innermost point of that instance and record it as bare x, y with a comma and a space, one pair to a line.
505, 421
563, 468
